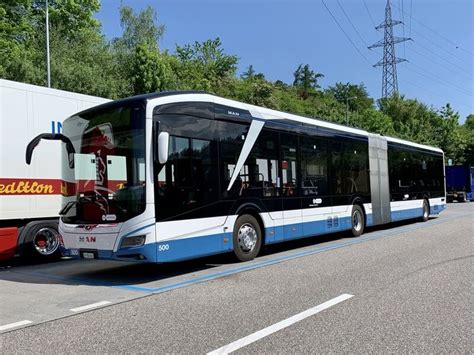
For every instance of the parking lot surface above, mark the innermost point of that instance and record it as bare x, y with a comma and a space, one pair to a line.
407, 287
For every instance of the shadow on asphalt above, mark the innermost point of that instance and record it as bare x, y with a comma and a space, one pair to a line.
114, 273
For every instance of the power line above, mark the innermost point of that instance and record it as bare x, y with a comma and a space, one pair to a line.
439, 46
435, 79
347, 36
403, 29
437, 94
446, 60
441, 36
348, 19
440, 64
461, 89
411, 8
370, 15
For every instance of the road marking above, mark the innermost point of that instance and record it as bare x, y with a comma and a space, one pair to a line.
14, 325
249, 339
90, 306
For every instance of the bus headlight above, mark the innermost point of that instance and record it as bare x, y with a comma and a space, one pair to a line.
135, 241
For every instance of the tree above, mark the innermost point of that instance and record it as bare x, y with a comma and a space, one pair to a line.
373, 121
306, 80
151, 71
356, 95
84, 66
468, 132
469, 123
249, 73
69, 17
136, 53
139, 29
79, 59
204, 66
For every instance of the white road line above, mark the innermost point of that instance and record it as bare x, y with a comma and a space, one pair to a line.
249, 339
14, 325
90, 306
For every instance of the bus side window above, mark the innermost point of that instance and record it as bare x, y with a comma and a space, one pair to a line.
337, 180
259, 175
314, 166
288, 165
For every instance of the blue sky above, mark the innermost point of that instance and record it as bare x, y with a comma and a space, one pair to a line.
275, 36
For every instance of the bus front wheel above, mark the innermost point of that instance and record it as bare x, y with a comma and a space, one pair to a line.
247, 238
357, 221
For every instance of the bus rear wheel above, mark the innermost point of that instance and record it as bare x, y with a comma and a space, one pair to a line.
247, 238
357, 221
426, 211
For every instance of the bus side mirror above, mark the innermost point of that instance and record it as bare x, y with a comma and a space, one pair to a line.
52, 137
163, 143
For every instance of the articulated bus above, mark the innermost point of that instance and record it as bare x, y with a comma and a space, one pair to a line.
172, 176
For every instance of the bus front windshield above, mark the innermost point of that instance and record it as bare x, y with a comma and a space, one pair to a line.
107, 182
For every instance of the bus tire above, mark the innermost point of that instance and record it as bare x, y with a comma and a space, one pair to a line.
247, 238
357, 221
426, 211
41, 241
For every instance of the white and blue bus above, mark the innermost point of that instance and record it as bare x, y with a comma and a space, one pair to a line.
172, 176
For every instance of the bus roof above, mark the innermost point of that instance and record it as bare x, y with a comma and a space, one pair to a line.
269, 114
256, 112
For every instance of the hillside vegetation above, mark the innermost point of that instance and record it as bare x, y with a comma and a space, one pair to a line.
84, 61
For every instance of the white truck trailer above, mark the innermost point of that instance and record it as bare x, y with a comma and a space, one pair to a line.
30, 195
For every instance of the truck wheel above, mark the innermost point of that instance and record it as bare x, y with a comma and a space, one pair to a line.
247, 238
426, 211
357, 221
42, 241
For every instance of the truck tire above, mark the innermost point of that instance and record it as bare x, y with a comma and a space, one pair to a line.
41, 241
247, 238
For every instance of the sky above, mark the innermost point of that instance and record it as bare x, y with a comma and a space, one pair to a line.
275, 36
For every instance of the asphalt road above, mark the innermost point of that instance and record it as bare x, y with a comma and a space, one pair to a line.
411, 288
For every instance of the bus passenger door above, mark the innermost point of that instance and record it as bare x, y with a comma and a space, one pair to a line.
290, 183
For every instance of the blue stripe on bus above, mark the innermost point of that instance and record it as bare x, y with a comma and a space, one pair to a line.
436, 209
189, 248
406, 214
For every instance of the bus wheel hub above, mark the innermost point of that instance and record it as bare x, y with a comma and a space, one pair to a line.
247, 237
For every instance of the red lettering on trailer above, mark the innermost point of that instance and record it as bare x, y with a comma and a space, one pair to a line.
30, 187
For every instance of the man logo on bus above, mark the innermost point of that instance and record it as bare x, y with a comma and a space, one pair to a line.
87, 239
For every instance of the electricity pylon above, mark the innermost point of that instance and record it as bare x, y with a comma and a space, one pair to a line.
389, 61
